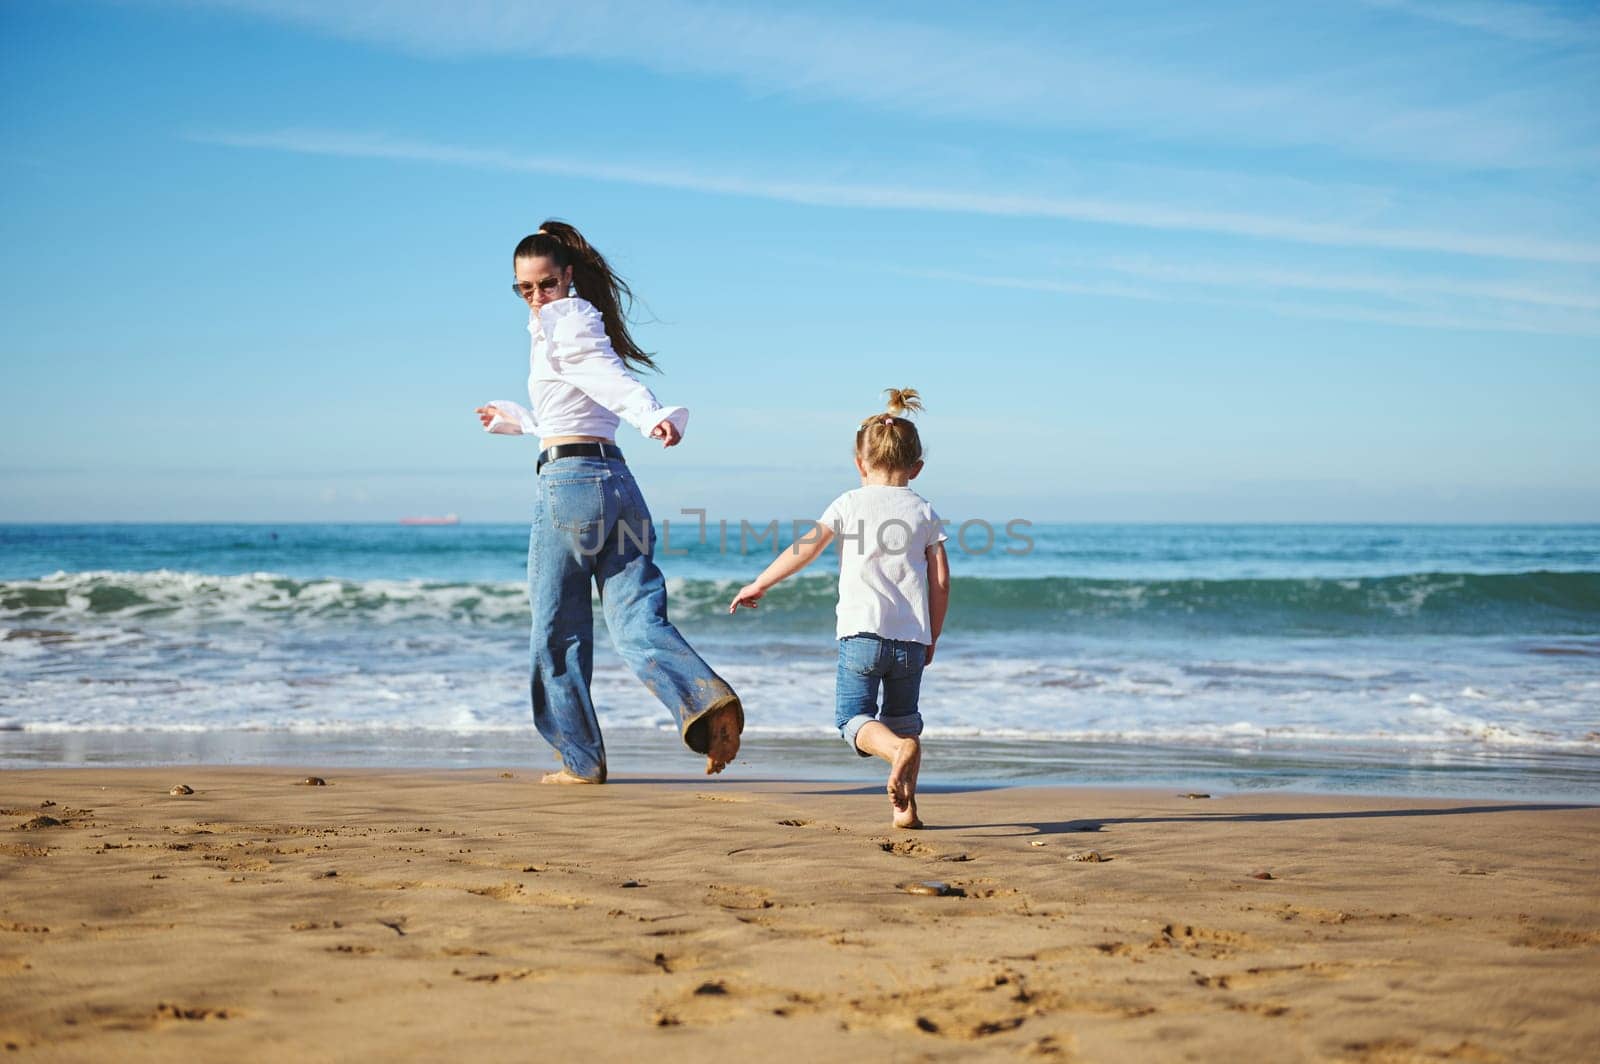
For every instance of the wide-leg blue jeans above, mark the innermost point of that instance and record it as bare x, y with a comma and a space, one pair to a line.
591, 524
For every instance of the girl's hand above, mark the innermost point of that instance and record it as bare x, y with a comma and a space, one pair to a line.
747, 597
486, 414
667, 433
928, 660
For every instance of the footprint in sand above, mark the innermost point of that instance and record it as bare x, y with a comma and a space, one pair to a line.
1212, 942
120, 1018
736, 897
510, 975
1390, 1049
1557, 938
170, 1011
516, 893
40, 823
905, 847
1254, 976
961, 1011
1259, 1008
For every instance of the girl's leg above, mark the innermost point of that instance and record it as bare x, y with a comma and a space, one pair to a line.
904, 754
633, 596
902, 687
867, 663
569, 514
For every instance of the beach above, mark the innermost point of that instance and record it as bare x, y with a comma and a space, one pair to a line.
1161, 437
431, 900
418, 914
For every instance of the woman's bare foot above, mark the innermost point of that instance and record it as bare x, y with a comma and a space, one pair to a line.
566, 775
723, 725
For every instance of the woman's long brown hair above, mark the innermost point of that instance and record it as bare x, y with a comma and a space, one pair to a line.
594, 280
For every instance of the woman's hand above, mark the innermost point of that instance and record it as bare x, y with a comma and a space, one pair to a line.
486, 414
668, 434
928, 660
747, 597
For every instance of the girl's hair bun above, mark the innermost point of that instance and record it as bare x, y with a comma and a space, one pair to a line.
890, 440
903, 401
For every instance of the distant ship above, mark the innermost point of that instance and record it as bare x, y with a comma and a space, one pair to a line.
447, 519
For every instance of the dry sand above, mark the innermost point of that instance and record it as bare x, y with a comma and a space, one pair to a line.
423, 915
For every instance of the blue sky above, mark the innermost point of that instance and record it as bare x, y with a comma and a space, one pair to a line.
1323, 261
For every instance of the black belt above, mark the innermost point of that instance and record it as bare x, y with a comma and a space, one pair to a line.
578, 450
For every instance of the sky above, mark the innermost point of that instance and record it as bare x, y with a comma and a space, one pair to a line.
1336, 260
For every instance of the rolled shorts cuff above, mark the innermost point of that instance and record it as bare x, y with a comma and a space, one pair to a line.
905, 725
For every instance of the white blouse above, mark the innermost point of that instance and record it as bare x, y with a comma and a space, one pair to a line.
577, 383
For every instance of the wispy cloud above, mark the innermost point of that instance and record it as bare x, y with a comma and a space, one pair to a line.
1098, 72
1414, 317
1520, 22
1143, 215
1231, 288
1382, 284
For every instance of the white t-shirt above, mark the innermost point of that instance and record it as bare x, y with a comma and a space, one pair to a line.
883, 533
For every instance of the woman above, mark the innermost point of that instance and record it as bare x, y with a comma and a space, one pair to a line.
591, 522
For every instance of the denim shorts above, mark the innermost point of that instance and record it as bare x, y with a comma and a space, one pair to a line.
867, 662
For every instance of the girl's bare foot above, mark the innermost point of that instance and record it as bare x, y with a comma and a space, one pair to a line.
903, 774
723, 725
907, 817
566, 776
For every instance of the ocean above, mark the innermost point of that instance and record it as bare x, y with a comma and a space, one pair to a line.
1445, 660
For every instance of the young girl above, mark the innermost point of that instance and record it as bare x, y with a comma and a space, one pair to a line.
590, 522
894, 588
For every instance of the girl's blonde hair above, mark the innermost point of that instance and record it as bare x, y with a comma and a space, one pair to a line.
889, 441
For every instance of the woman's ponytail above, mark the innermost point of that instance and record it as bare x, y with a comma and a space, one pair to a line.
593, 279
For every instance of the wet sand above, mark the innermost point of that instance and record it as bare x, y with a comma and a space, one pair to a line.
419, 915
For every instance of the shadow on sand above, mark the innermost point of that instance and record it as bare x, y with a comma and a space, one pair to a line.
1091, 824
